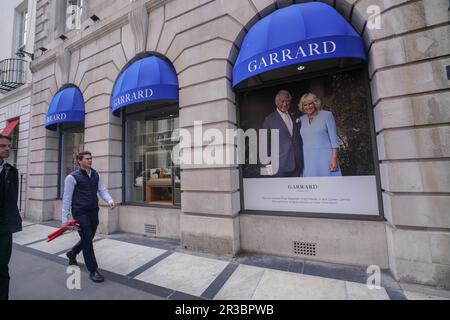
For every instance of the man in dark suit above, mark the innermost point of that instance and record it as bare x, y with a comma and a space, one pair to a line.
10, 220
290, 157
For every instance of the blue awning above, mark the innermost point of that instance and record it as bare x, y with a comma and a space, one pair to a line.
67, 106
297, 34
148, 79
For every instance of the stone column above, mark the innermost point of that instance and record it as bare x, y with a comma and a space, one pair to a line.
43, 147
410, 93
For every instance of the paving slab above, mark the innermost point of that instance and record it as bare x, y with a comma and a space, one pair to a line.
422, 296
27, 223
358, 291
32, 234
184, 273
280, 285
121, 257
47, 280
422, 292
62, 243
242, 283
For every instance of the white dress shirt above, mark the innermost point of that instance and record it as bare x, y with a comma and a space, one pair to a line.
69, 187
287, 120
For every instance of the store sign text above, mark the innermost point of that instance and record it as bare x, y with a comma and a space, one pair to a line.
57, 117
286, 55
132, 97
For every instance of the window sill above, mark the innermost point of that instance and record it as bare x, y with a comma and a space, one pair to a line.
146, 205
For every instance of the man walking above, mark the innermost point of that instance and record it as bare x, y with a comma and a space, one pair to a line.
80, 199
10, 220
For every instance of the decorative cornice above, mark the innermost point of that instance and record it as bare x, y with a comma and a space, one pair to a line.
80, 38
42, 61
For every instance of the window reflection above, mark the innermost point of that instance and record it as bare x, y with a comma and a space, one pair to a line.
151, 176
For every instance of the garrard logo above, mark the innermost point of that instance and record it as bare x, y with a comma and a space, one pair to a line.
303, 187
284, 55
57, 117
133, 96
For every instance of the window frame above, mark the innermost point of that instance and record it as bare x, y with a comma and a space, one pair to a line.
141, 109
63, 130
375, 156
21, 27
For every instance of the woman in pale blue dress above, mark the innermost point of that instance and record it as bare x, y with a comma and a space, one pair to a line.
320, 140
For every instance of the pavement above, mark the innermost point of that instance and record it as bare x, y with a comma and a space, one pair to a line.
140, 268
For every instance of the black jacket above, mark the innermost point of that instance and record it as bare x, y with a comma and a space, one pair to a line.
10, 220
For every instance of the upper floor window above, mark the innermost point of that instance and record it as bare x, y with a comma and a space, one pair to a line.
23, 29
21, 22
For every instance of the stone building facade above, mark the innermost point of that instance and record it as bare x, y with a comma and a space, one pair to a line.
407, 68
18, 18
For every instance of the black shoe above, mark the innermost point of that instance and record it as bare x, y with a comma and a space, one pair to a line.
96, 277
72, 258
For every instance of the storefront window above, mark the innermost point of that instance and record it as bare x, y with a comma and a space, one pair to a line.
72, 143
336, 132
151, 177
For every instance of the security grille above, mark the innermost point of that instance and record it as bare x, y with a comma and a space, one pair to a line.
305, 248
150, 229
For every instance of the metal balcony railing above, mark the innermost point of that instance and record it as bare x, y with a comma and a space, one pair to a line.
13, 74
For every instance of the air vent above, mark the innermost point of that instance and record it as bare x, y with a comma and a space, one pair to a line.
305, 248
150, 229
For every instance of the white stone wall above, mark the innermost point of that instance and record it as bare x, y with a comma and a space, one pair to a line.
410, 95
16, 104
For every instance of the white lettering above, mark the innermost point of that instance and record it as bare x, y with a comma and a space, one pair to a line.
286, 54
57, 117
148, 93
313, 47
263, 62
253, 66
325, 47
300, 51
273, 57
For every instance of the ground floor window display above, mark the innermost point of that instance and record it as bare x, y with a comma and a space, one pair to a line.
71, 143
324, 158
150, 174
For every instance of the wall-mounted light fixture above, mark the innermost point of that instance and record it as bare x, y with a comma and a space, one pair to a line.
21, 54
95, 18
43, 49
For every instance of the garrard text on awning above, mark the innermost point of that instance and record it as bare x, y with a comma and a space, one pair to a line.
287, 54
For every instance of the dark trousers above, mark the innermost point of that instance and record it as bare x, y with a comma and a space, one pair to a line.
88, 226
5, 256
